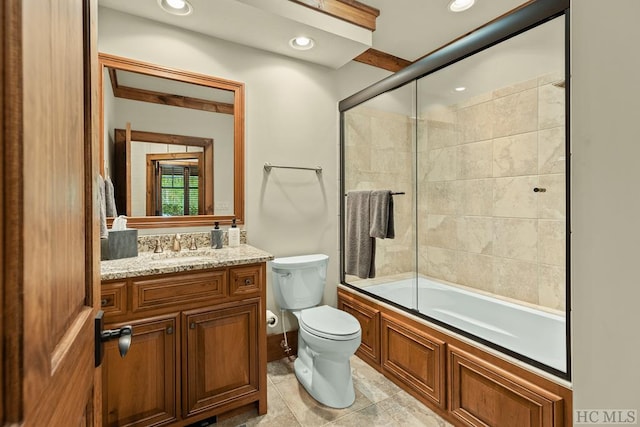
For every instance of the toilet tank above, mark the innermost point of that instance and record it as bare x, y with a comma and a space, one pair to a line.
298, 281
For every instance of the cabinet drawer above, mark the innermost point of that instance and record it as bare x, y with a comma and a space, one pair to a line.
113, 298
245, 280
184, 288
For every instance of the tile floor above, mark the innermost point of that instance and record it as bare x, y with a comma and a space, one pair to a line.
379, 402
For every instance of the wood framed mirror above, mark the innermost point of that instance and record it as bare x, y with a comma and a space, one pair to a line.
171, 112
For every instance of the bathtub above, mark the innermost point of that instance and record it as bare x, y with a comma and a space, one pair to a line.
535, 334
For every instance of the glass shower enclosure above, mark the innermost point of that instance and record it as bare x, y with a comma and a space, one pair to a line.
471, 142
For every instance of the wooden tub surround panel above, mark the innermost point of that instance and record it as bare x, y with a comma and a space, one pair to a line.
413, 358
464, 384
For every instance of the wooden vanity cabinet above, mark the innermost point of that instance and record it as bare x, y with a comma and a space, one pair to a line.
198, 347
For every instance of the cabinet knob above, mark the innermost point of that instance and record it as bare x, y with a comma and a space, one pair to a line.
247, 281
104, 301
169, 330
192, 325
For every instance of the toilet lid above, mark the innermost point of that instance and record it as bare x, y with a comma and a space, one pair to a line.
326, 321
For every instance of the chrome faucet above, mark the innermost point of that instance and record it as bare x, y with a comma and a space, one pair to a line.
158, 248
176, 243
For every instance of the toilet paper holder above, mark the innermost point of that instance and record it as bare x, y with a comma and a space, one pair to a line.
272, 319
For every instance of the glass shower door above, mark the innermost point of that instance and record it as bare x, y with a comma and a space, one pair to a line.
379, 155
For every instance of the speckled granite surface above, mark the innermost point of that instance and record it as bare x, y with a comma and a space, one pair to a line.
147, 242
149, 263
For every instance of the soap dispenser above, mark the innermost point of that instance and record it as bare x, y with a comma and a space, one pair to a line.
216, 236
234, 235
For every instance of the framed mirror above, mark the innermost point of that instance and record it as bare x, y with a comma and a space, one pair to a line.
172, 144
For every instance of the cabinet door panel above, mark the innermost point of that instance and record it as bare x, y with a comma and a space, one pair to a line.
414, 358
140, 389
482, 394
369, 320
221, 355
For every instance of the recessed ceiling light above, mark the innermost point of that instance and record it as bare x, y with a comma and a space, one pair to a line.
460, 5
301, 43
461, 89
176, 7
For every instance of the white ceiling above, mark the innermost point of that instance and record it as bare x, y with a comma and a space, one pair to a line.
405, 28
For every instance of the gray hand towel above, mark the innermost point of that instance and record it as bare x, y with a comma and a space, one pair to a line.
382, 224
359, 245
110, 198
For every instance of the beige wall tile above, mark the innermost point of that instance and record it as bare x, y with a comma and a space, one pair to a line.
476, 271
441, 264
474, 122
516, 238
358, 157
552, 286
552, 242
551, 150
391, 132
357, 128
474, 160
516, 279
474, 100
552, 77
442, 231
442, 197
475, 234
442, 164
440, 134
552, 203
514, 197
551, 108
390, 160
517, 113
515, 155
515, 88
476, 197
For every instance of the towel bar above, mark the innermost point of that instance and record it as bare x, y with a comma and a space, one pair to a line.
268, 166
393, 193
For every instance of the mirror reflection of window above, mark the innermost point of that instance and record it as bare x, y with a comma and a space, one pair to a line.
177, 186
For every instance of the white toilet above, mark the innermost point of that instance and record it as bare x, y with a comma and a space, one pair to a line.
327, 337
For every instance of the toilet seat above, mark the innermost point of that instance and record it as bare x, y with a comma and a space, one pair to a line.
330, 323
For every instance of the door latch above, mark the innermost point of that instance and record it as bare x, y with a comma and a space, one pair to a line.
123, 335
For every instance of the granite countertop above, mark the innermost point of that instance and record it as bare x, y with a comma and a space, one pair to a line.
149, 263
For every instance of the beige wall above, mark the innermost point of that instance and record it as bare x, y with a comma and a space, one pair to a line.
605, 284
291, 118
481, 225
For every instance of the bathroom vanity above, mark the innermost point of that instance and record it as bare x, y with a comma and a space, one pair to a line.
199, 336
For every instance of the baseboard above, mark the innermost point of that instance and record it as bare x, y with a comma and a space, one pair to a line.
275, 351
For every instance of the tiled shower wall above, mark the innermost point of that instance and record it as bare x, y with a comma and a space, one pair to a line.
379, 155
480, 222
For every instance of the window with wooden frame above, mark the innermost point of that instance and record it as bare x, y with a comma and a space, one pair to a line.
175, 184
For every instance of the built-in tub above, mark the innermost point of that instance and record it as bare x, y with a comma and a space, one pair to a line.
535, 334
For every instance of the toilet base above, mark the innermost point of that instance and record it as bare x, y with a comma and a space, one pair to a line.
327, 381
